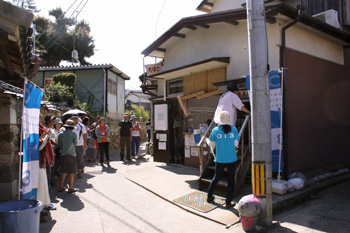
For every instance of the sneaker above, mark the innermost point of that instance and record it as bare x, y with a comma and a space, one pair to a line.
210, 199
51, 207
229, 205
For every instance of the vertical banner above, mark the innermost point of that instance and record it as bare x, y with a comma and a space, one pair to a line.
275, 108
30, 124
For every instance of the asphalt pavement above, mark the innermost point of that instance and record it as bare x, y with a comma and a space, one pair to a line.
107, 201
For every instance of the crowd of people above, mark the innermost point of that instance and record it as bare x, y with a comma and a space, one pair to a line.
64, 146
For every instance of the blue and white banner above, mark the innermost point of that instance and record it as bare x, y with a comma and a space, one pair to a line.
30, 123
275, 108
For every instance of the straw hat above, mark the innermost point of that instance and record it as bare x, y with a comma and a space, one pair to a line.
224, 118
69, 124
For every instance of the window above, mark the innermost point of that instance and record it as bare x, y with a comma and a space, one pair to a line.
175, 87
112, 87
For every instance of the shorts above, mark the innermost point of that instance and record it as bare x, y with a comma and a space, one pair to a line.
68, 164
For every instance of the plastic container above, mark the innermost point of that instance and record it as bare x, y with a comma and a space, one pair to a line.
20, 216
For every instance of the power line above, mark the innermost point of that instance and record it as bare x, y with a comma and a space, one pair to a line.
74, 19
59, 18
160, 12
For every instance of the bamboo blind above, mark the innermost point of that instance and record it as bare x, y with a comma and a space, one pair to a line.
203, 81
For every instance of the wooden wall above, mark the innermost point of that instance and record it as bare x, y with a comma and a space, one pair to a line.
317, 112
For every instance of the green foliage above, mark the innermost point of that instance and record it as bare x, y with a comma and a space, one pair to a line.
68, 79
139, 112
56, 92
57, 39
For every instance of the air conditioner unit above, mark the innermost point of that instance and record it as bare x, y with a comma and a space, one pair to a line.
330, 17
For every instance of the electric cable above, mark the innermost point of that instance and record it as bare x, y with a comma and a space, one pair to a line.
160, 12
74, 19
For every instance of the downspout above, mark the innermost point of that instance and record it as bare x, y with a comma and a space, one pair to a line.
300, 8
104, 91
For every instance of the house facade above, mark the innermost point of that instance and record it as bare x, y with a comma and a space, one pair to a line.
138, 98
201, 54
102, 86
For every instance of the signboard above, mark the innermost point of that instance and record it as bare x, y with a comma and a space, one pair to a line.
161, 117
153, 69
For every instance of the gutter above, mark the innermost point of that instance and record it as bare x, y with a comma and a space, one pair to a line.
285, 107
104, 91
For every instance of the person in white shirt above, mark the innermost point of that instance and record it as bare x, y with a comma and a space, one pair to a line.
135, 141
230, 102
81, 132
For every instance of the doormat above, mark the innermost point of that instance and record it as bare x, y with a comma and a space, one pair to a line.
198, 201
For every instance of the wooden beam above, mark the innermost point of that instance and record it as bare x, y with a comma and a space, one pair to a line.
270, 19
4, 55
191, 27
161, 50
204, 26
180, 35
192, 95
233, 22
209, 94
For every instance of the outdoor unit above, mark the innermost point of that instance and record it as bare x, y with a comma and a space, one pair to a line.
330, 17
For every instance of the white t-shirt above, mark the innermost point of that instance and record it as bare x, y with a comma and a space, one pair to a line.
80, 137
229, 102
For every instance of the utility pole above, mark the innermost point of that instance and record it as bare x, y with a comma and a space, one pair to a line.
260, 109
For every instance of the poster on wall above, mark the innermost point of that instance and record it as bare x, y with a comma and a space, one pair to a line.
275, 108
161, 117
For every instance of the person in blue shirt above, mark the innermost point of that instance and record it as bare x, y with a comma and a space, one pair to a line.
225, 137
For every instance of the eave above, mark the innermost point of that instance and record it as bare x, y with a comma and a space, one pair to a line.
212, 63
156, 49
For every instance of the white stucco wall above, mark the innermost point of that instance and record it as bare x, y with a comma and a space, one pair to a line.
111, 98
225, 40
223, 5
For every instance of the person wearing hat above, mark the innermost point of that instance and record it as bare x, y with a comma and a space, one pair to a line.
230, 102
67, 141
57, 129
102, 132
124, 136
135, 132
225, 137
81, 133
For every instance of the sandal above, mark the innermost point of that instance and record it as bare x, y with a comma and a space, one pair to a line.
72, 190
61, 190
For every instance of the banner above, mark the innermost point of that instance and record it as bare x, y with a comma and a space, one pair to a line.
30, 124
275, 108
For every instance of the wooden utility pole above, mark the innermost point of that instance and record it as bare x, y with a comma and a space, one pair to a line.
260, 109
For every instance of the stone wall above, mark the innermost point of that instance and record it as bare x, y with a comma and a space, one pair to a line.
10, 128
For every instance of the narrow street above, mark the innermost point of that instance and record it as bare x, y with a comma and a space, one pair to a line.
108, 202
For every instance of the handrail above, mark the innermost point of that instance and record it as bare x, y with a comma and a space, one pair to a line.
244, 125
204, 135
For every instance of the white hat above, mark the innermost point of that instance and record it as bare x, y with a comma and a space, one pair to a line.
57, 121
224, 118
133, 117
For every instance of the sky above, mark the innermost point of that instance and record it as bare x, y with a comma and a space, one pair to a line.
123, 29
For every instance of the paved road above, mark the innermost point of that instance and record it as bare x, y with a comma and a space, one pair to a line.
328, 211
108, 202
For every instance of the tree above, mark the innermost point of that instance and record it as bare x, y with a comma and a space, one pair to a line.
56, 40
28, 5
139, 111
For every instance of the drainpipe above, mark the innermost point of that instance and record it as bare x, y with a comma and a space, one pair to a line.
300, 8
104, 91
